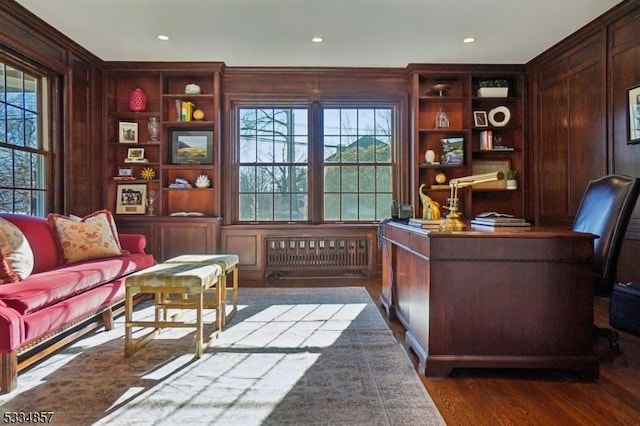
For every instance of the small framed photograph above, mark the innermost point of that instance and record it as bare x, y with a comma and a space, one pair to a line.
633, 116
480, 119
131, 199
127, 132
192, 147
135, 155
125, 171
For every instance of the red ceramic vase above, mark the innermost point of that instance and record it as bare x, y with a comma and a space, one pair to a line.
137, 100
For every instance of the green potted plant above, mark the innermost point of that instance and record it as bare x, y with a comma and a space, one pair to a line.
493, 88
512, 179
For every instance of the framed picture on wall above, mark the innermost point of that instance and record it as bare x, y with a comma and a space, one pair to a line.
131, 199
192, 147
127, 132
633, 115
480, 119
135, 155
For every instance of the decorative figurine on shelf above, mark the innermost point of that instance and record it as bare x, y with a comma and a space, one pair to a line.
430, 156
430, 208
192, 89
203, 181
198, 114
148, 173
441, 89
442, 119
137, 100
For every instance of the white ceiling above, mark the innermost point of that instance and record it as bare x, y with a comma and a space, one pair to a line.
357, 33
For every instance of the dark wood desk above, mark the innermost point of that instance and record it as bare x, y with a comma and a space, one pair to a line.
521, 299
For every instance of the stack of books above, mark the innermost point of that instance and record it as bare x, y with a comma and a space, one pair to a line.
432, 225
493, 220
180, 184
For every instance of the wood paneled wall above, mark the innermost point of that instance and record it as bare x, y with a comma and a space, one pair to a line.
306, 85
576, 110
76, 106
570, 128
624, 72
579, 120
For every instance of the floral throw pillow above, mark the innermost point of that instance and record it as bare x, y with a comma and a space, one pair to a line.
91, 237
16, 257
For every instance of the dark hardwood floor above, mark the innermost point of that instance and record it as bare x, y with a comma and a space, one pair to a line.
531, 397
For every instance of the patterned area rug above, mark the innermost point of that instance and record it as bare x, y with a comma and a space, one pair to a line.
307, 356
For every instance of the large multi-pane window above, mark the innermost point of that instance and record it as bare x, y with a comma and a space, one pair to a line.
278, 158
274, 169
357, 163
22, 156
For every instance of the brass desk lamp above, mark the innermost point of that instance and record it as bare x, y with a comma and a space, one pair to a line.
452, 221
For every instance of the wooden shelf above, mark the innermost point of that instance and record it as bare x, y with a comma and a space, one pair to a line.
205, 124
459, 102
163, 86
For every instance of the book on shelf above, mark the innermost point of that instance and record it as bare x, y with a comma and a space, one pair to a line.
186, 110
486, 140
187, 214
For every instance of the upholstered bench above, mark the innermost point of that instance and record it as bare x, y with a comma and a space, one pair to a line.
190, 281
229, 264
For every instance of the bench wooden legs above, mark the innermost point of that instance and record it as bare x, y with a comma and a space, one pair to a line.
188, 299
234, 294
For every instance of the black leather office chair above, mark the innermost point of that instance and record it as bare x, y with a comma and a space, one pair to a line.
605, 210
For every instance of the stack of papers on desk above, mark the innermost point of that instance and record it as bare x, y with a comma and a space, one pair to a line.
499, 220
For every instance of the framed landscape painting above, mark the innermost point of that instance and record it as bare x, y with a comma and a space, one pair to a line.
192, 147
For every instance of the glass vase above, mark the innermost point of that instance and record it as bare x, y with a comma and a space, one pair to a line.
151, 200
154, 129
442, 119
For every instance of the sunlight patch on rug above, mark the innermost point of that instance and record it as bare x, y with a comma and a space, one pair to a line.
289, 356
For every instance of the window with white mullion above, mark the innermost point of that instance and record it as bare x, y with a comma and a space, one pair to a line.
273, 169
352, 177
23, 155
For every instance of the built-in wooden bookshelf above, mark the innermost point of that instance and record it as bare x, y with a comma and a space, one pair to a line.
165, 87
453, 90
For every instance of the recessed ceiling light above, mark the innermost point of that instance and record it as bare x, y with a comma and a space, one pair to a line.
469, 40
163, 37
317, 39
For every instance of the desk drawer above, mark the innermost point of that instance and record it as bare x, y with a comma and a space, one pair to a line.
417, 241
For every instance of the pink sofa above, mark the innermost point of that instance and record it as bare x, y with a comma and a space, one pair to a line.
56, 303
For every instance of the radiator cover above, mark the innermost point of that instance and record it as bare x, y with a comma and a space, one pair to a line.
324, 256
